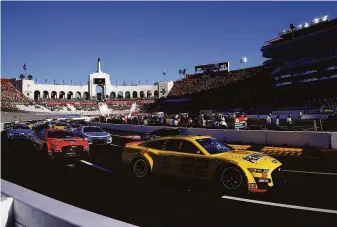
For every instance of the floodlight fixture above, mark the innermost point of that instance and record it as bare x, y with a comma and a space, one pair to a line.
315, 21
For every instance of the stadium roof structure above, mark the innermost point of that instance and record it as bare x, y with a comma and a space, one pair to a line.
300, 31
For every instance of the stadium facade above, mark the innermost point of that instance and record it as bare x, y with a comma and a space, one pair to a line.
304, 59
97, 81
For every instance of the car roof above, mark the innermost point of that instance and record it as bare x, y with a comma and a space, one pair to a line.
184, 137
20, 124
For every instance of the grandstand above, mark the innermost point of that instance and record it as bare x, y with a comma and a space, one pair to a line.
304, 58
300, 72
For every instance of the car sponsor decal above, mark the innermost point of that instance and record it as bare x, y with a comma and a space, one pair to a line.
253, 157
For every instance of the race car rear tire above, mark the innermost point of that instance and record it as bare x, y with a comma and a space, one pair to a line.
231, 178
141, 168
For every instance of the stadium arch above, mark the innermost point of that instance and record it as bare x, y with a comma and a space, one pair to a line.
141, 94
45, 94
149, 94
78, 95
156, 94
134, 95
120, 95
37, 95
113, 95
70, 95
100, 92
53, 95
127, 94
86, 95
62, 94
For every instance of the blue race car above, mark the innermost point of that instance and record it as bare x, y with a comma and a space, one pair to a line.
19, 131
94, 135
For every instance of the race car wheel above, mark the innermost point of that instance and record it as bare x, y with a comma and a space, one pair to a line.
141, 168
232, 178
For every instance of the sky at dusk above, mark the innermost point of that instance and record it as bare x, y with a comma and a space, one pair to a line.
136, 41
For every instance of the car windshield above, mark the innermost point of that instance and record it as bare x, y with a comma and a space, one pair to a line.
60, 134
92, 129
214, 146
20, 127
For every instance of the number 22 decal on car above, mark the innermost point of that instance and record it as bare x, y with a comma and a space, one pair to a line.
197, 167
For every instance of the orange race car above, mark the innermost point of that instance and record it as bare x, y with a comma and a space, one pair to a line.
55, 143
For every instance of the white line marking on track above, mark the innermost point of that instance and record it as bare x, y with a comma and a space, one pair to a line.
115, 145
281, 205
98, 167
318, 173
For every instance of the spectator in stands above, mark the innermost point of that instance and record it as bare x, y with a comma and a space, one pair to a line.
300, 115
289, 121
277, 123
268, 121
223, 123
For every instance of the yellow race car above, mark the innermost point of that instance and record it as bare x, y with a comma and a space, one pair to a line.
61, 125
203, 157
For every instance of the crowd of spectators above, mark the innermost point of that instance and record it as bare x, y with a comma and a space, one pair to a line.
119, 106
198, 83
10, 96
87, 107
202, 120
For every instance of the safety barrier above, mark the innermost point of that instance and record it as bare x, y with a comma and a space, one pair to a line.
271, 138
29, 208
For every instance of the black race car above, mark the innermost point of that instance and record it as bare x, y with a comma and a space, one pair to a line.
166, 132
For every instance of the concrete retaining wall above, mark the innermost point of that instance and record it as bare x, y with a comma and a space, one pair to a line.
33, 209
269, 137
299, 139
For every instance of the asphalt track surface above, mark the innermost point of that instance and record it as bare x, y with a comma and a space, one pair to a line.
164, 201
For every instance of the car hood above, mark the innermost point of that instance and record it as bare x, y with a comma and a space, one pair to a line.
20, 131
94, 134
250, 157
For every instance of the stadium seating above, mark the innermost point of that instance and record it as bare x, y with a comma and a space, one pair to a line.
10, 96
198, 83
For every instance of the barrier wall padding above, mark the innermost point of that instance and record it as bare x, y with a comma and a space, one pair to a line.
299, 139
334, 140
245, 137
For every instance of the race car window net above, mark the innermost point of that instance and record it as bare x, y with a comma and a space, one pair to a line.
60, 134
21, 127
92, 129
213, 146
